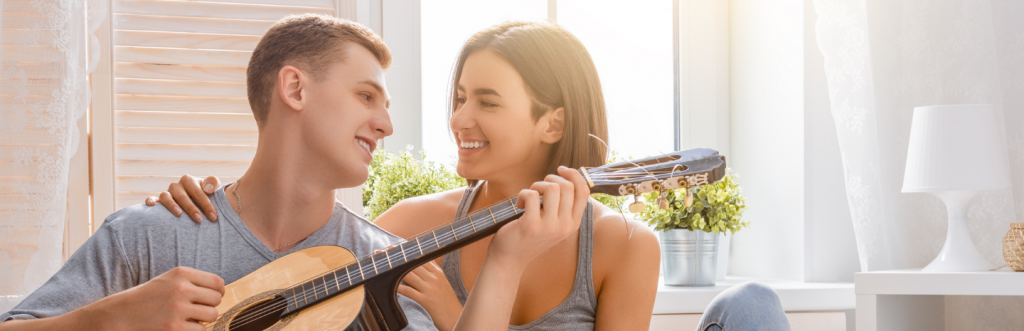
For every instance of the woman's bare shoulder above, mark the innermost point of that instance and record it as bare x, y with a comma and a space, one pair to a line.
414, 215
620, 239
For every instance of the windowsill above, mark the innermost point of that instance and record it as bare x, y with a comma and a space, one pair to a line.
795, 296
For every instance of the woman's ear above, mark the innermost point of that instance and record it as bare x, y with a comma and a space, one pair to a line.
554, 122
291, 87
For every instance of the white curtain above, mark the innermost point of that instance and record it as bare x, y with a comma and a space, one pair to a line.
882, 59
43, 93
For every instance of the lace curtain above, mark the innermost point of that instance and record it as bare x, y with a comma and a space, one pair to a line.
44, 92
882, 59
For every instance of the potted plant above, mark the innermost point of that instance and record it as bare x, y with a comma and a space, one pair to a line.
394, 177
690, 234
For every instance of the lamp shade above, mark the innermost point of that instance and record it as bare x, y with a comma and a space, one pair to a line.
954, 148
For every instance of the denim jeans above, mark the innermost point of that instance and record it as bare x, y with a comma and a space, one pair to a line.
748, 306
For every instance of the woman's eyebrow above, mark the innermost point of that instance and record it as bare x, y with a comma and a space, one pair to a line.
486, 91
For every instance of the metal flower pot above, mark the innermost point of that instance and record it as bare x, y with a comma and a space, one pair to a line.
689, 258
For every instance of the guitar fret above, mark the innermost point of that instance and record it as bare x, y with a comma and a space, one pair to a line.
435, 239
313, 284
471, 222
361, 274
452, 226
403, 253
418, 246
295, 299
374, 263
514, 208
495, 220
349, 276
304, 297
336, 285
388, 257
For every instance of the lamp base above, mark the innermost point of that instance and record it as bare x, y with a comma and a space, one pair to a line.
959, 253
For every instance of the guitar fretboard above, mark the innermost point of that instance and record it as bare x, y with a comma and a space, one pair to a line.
367, 267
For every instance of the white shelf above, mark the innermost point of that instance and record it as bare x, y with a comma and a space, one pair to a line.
795, 296
915, 282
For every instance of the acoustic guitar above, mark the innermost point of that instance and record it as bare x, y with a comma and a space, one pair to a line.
326, 287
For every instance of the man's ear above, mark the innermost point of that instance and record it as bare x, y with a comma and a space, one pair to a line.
554, 122
291, 87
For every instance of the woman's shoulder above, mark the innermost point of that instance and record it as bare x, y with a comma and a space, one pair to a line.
417, 214
620, 239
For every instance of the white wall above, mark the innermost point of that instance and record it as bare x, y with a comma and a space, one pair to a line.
785, 149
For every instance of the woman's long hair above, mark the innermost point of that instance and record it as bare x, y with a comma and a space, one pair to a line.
558, 72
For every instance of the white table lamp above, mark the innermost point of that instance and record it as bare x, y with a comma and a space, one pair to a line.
956, 151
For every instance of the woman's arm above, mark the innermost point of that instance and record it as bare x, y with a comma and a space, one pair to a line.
179, 197
489, 306
627, 256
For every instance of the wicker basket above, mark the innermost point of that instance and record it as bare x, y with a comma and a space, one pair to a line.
1013, 247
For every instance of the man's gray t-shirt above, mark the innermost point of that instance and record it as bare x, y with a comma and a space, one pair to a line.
139, 243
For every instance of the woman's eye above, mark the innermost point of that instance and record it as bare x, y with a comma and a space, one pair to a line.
459, 101
365, 96
487, 104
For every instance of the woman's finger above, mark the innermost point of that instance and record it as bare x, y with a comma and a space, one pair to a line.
210, 184
168, 202
414, 280
582, 191
181, 197
192, 186
530, 201
566, 195
410, 293
151, 201
552, 197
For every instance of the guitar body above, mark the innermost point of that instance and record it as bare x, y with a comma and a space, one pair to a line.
288, 271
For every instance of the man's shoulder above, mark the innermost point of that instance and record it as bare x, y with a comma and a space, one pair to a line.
359, 234
142, 220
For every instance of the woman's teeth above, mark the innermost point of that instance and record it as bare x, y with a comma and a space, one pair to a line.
364, 144
473, 144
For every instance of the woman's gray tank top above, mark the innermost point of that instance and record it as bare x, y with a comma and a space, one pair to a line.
577, 312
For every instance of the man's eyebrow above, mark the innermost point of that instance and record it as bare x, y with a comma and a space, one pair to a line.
380, 90
374, 85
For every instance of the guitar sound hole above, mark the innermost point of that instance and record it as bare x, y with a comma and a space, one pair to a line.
259, 317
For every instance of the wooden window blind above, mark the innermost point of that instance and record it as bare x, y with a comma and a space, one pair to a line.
180, 102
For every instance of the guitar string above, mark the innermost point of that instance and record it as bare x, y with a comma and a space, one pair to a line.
372, 266
268, 310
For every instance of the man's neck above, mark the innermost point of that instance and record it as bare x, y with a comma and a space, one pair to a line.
281, 200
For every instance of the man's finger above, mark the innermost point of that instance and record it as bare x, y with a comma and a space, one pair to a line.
201, 313
191, 185
206, 280
205, 296
168, 202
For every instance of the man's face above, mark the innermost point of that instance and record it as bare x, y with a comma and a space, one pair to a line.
347, 115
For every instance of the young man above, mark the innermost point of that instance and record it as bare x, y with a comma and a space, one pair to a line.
316, 88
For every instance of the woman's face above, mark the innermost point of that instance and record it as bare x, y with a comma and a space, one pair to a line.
493, 125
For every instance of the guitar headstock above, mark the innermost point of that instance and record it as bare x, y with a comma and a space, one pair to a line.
684, 169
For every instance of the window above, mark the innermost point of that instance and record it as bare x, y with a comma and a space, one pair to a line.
631, 44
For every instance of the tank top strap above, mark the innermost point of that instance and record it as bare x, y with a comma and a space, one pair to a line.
450, 262
585, 258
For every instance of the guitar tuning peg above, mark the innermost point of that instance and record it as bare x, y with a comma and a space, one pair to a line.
637, 205
689, 197
663, 203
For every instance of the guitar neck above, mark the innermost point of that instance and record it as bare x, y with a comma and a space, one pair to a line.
403, 257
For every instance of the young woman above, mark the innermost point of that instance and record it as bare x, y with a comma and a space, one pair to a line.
525, 99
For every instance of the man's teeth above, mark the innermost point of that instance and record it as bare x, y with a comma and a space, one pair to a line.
473, 144
363, 143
